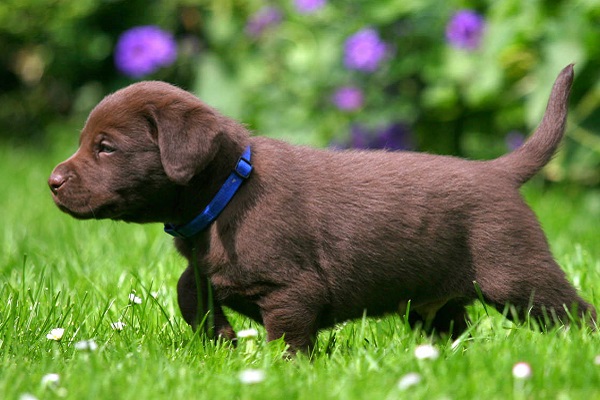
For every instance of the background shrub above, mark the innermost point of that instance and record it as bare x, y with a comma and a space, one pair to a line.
469, 78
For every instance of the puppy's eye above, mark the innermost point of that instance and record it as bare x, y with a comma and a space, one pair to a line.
106, 148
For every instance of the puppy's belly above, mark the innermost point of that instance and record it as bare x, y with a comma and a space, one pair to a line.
241, 297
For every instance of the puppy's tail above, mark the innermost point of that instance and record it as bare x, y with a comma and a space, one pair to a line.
527, 160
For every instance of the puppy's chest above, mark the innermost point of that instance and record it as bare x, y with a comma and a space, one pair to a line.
237, 271
211, 255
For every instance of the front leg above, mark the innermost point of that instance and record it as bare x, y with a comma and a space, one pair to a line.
195, 309
294, 316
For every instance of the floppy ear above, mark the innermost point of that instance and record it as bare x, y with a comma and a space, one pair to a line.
186, 139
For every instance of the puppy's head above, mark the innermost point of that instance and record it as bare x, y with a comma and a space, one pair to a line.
137, 148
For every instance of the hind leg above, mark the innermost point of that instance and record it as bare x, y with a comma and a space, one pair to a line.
450, 319
514, 266
539, 292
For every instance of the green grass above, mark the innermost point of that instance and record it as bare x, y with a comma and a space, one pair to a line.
56, 272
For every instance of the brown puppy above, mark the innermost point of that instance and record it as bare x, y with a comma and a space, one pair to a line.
313, 237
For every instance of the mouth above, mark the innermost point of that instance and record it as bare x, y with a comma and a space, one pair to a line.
74, 212
84, 210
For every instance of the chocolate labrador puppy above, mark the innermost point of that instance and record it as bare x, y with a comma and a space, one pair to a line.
298, 238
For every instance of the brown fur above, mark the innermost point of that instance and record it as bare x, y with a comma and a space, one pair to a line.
315, 237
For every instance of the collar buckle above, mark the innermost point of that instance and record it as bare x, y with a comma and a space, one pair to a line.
172, 230
243, 168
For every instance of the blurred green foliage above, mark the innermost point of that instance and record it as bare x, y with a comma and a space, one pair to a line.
56, 57
57, 61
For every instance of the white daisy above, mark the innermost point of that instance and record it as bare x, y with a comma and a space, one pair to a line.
252, 376
55, 334
50, 380
247, 333
117, 326
426, 351
134, 299
521, 370
408, 380
86, 345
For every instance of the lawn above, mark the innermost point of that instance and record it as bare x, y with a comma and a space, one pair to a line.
85, 276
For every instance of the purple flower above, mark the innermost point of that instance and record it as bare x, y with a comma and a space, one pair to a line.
514, 140
465, 30
364, 50
359, 137
263, 19
396, 136
143, 50
348, 98
309, 6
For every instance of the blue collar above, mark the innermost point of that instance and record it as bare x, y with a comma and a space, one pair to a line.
241, 172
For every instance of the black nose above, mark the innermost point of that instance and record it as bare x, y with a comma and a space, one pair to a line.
56, 180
